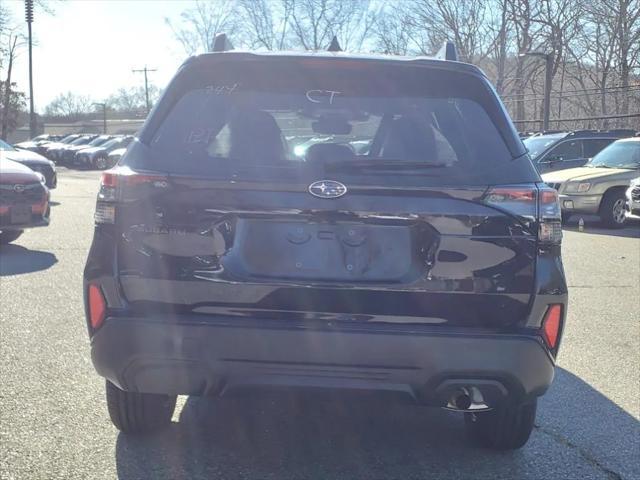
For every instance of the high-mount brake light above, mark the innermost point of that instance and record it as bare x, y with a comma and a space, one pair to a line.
118, 185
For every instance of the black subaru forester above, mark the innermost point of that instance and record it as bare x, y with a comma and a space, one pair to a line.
327, 220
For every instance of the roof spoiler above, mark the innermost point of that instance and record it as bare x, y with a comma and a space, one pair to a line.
221, 43
448, 51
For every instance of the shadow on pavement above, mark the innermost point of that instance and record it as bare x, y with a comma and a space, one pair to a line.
593, 226
15, 259
352, 436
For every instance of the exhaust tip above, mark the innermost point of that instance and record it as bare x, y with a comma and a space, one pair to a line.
467, 399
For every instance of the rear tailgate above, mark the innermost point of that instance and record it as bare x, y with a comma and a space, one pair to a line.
249, 250
231, 227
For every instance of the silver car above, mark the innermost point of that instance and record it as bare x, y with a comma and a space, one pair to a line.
599, 187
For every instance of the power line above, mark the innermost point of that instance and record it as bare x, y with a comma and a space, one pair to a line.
585, 94
578, 119
597, 90
146, 83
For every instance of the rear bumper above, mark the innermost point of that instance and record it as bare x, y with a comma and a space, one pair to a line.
580, 203
170, 355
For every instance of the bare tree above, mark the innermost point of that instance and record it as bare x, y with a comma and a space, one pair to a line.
463, 22
265, 23
69, 105
497, 51
11, 42
628, 41
129, 100
392, 31
522, 15
198, 26
313, 23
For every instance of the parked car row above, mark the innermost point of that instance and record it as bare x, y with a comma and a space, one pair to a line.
33, 160
607, 185
557, 150
83, 150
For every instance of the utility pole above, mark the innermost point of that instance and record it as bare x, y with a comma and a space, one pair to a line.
104, 115
28, 8
548, 78
146, 84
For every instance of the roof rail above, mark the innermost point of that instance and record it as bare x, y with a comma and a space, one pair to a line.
221, 43
586, 130
448, 51
334, 46
623, 131
613, 131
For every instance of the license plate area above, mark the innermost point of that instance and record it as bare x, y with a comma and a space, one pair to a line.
325, 252
20, 213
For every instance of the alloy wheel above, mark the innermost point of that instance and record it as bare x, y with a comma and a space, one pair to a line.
618, 211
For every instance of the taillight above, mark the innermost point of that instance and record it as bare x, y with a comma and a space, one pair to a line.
120, 185
531, 203
549, 217
97, 306
551, 326
516, 199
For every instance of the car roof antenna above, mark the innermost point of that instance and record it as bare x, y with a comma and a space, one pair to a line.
448, 52
221, 43
334, 46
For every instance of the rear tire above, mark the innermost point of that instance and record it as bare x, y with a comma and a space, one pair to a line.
504, 428
9, 236
612, 209
133, 412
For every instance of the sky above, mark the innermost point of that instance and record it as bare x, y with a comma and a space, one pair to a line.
89, 47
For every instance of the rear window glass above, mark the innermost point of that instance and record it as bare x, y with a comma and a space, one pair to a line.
350, 122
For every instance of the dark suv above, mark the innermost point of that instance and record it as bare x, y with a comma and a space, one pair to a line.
426, 262
552, 151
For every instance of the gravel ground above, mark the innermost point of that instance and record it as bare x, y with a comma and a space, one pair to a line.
53, 420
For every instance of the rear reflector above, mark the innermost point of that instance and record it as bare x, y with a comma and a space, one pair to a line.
551, 325
97, 306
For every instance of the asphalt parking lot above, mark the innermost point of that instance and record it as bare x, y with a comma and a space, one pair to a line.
54, 424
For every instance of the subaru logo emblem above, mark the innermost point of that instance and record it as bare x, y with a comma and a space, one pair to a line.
19, 188
327, 189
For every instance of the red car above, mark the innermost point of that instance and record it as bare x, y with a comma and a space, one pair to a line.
24, 200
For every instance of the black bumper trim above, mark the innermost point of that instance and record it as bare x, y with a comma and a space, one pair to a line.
198, 359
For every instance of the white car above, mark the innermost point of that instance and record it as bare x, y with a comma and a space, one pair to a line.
633, 198
114, 157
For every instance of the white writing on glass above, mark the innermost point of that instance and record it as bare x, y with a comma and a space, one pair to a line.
221, 89
320, 96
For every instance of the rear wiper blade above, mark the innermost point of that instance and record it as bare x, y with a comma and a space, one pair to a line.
384, 164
